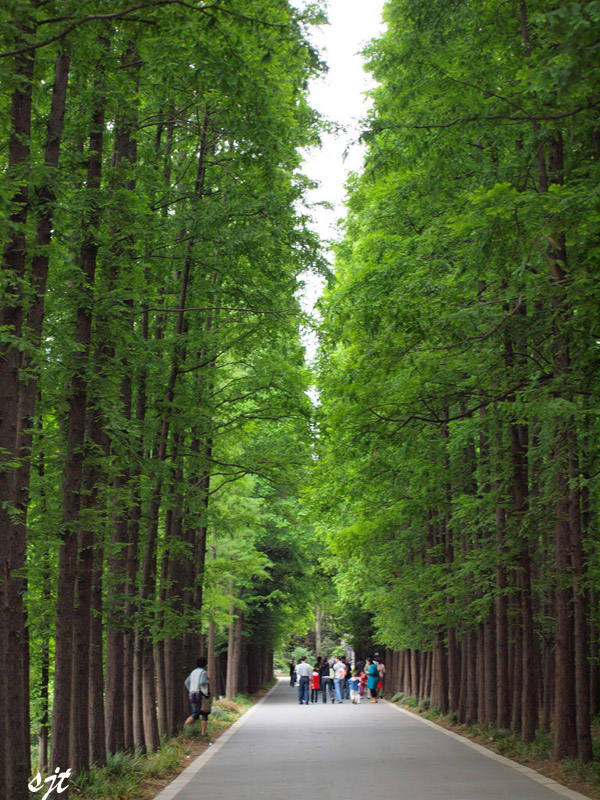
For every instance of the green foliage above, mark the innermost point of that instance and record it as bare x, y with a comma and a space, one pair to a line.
299, 652
438, 327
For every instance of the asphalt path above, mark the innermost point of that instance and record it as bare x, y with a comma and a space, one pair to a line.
281, 750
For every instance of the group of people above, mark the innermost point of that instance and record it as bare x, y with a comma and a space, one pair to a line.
336, 678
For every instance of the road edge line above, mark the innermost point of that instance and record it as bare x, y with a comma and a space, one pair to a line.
532, 774
190, 772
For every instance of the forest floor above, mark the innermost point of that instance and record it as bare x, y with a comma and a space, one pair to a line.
582, 778
136, 777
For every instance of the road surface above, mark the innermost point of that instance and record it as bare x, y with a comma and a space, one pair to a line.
284, 751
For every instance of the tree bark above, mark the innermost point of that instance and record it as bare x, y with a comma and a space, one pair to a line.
14, 695
580, 619
230, 681
74, 461
97, 733
471, 678
93, 477
490, 710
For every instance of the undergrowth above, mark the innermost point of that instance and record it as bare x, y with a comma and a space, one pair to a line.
125, 774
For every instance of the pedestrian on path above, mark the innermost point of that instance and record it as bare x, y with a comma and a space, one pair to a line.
353, 683
303, 674
362, 683
292, 672
198, 686
326, 679
347, 676
339, 674
381, 670
372, 678
314, 684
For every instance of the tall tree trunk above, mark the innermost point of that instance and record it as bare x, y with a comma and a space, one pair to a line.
462, 699
480, 669
134, 549
230, 681
82, 619
175, 667
470, 655
580, 619
453, 671
236, 659
14, 696
97, 737
43, 739
122, 258
594, 658
440, 673
318, 626
428, 673
490, 711
501, 608
61, 715
517, 668
414, 673
565, 719
212, 630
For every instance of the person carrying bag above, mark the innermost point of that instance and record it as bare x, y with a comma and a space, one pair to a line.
198, 686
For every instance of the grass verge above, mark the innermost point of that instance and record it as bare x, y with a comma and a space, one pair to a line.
583, 778
138, 776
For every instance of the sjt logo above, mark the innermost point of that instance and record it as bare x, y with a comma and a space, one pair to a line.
56, 781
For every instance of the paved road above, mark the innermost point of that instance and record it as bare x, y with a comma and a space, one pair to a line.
285, 751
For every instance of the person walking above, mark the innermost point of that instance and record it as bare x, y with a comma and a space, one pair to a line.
381, 670
339, 674
347, 676
292, 672
303, 674
362, 683
314, 684
353, 683
372, 678
198, 686
325, 677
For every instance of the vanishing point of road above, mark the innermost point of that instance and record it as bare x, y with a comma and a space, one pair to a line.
280, 750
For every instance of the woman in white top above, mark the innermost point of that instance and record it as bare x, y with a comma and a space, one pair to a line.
198, 687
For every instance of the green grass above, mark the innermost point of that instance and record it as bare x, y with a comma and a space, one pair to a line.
125, 774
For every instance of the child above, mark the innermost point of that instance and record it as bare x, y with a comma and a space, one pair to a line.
353, 684
362, 683
314, 686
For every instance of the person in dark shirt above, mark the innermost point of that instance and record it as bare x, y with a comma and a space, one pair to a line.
346, 688
325, 679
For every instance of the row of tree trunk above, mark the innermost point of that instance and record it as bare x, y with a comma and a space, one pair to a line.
502, 674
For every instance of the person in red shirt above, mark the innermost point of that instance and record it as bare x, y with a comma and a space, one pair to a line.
314, 686
363, 683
